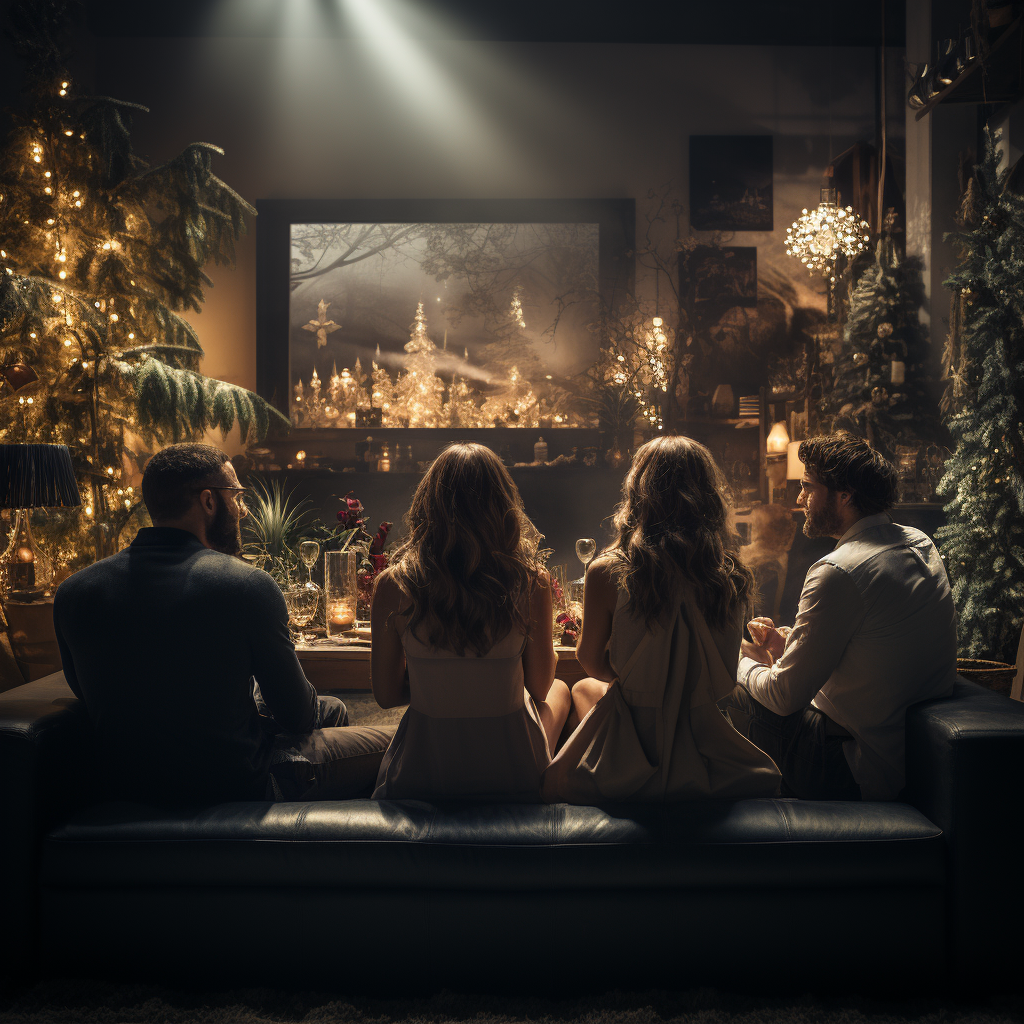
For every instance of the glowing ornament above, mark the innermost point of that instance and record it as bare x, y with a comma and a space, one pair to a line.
321, 326
820, 237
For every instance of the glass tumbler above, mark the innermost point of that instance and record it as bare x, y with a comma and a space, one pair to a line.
342, 593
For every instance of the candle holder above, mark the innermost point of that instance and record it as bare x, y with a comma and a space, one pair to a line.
342, 592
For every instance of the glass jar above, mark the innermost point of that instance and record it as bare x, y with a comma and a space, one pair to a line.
342, 592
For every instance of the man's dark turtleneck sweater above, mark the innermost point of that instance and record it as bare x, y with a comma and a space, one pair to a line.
161, 642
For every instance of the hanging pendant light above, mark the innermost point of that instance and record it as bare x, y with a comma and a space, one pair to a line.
819, 237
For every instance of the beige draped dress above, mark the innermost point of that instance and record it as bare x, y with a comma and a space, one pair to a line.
657, 734
472, 731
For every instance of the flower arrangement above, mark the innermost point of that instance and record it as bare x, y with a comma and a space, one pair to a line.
277, 524
374, 558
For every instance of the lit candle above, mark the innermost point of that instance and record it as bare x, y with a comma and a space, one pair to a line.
342, 613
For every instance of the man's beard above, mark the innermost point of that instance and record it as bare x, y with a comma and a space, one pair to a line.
225, 532
827, 522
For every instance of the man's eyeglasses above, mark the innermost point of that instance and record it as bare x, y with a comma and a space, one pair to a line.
240, 492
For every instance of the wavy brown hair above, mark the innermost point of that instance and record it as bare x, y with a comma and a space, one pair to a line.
672, 524
470, 561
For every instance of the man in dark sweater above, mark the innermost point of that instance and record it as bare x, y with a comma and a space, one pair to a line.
162, 642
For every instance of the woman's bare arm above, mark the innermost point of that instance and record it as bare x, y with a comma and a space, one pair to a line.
600, 596
539, 660
388, 675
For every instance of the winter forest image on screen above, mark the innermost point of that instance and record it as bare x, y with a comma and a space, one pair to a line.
443, 325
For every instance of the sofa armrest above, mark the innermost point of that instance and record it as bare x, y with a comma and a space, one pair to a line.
964, 759
45, 760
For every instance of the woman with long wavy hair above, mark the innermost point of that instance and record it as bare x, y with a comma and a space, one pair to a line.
461, 626
663, 614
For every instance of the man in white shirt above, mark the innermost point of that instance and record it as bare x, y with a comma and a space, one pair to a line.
875, 632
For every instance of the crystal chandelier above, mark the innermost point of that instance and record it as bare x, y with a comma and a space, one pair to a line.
817, 239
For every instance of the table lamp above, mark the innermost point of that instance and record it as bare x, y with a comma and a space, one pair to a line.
32, 476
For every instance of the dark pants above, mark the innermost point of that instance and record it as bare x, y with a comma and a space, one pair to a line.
334, 762
807, 747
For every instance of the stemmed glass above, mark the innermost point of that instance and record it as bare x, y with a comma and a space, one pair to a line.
586, 548
309, 552
302, 603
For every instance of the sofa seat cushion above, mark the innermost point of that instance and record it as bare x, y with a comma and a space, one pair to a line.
410, 844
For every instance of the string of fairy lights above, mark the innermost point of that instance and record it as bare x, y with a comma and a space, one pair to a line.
49, 172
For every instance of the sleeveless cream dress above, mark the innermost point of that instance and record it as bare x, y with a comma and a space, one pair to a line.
471, 730
657, 734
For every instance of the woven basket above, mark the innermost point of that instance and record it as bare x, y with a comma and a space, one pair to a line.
995, 675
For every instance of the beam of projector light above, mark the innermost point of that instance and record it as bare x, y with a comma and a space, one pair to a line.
418, 79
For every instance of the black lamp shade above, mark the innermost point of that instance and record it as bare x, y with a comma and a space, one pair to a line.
37, 476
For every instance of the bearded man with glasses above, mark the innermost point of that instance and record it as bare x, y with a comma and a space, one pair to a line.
181, 654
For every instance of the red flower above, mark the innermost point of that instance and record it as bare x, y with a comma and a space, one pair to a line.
349, 515
378, 542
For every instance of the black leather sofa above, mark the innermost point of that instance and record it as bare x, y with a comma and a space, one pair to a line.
922, 895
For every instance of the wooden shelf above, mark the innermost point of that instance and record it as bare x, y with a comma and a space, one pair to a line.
721, 421
1003, 83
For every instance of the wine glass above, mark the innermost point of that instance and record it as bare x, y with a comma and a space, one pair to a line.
586, 548
301, 603
309, 552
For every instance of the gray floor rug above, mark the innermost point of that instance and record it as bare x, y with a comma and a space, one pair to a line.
57, 1002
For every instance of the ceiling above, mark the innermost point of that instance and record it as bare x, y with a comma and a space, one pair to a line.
784, 22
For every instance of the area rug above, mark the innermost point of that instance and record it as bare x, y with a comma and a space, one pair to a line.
67, 1002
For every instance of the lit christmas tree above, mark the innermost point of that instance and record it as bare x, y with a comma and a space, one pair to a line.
100, 254
382, 394
514, 404
877, 386
982, 542
461, 409
419, 392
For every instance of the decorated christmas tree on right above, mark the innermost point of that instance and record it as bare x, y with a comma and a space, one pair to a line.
982, 542
878, 380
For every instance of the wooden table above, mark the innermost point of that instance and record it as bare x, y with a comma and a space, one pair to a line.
347, 667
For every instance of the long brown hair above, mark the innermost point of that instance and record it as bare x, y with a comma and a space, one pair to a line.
672, 524
470, 560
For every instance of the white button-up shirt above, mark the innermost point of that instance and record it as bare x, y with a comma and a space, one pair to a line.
875, 632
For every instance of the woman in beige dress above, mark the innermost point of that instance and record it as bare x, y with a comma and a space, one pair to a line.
461, 626
663, 614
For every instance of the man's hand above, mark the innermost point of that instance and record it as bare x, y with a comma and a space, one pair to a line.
768, 641
755, 653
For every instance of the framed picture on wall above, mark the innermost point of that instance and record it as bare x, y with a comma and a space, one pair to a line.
731, 183
435, 313
722, 275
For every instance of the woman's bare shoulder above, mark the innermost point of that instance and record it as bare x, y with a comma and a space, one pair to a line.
387, 592
602, 569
